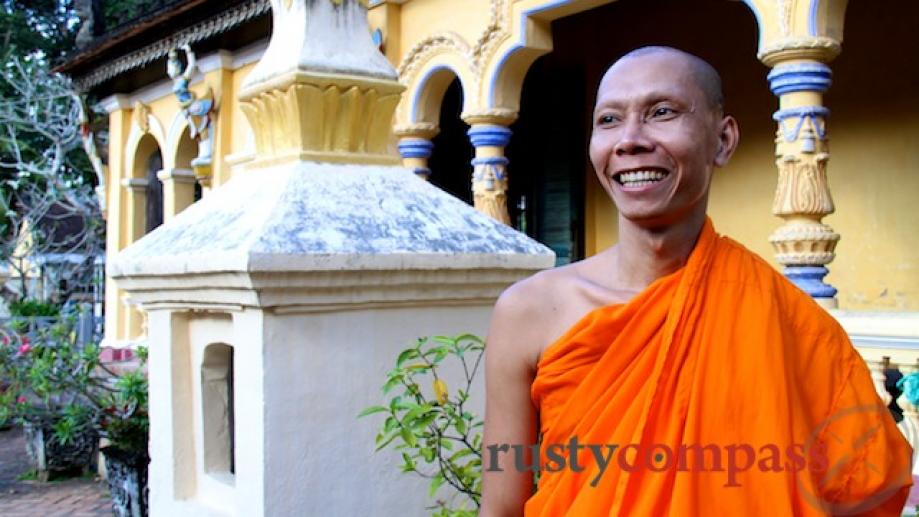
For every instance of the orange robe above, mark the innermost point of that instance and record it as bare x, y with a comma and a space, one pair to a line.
724, 354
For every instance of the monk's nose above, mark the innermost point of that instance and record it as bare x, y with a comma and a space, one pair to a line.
632, 138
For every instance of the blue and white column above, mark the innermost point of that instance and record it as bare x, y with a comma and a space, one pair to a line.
415, 153
489, 175
804, 245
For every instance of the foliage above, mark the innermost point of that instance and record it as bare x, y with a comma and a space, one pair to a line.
54, 381
49, 212
33, 308
46, 28
38, 374
438, 437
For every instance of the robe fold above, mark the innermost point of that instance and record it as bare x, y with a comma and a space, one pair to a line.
725, 358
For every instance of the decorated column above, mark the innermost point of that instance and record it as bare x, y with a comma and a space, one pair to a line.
804, 244
798, 40
415, 147
490, 136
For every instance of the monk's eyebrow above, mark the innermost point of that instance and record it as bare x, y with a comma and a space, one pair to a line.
645, 100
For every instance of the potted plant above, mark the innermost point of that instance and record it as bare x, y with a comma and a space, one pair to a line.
67, 398
57, 415
123, 420
440, 439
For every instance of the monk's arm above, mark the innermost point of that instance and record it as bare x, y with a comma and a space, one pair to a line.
510, 417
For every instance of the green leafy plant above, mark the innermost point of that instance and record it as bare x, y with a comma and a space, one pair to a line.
33, 308
53, 381
43, 375
438, 437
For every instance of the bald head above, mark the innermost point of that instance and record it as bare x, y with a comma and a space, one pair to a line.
704, 74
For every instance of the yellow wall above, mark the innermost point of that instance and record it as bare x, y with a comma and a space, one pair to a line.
420, 19
874, 127
874, 145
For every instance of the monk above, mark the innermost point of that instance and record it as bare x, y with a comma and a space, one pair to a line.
677, 373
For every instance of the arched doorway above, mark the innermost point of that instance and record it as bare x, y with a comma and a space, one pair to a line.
547, 158
451, 159
186, 151
148, 161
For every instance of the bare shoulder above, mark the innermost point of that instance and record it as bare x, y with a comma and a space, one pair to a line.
528, 314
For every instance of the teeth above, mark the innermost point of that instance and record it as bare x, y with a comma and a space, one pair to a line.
640, 178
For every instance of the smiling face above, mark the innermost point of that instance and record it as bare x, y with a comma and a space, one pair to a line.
657, 137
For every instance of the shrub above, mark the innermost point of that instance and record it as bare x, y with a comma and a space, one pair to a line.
438, 437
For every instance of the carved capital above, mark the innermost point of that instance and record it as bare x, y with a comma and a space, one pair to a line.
325, 118
494, 117
422, 130
822, 49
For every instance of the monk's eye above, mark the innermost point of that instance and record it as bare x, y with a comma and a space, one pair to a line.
663, 113
607, 120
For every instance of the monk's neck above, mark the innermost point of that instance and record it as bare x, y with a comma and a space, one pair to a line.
643, 255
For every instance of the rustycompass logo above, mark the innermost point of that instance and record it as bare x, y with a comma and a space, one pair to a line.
853, 483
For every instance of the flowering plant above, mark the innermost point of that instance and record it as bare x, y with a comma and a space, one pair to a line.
37, 372
55, 382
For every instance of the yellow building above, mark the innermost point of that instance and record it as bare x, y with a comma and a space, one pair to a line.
508, 85
496, 111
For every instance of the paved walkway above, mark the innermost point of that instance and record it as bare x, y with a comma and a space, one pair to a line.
79, 497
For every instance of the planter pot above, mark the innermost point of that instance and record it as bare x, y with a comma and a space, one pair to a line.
127, 480
48, 455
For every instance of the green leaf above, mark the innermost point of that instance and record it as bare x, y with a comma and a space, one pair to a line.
408, 437
371, 410
386, 439
462, 453
409, 353
436, 482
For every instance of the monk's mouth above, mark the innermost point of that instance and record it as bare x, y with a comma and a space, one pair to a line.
641, 177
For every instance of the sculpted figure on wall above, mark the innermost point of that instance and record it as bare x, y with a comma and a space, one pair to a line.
198, 111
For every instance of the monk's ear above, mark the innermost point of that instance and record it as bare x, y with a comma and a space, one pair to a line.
728, 138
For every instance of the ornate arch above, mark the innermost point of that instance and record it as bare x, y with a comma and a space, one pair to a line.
426, 72
143, 122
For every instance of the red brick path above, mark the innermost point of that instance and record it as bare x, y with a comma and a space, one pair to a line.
69, 497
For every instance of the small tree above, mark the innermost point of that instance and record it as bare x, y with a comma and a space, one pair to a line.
49, 212
439, 438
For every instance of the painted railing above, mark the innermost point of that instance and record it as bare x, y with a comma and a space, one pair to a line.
889, 344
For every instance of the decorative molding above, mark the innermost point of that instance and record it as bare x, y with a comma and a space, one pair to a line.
116, 102
220, 60
135, 184
475, 56
495, 116
220, 23
798, 77
803, 187
820, 48
348, 119
422, 51
489, 187
813, 116
425, 130
177, 175
489, 135
810, 280
415, 148
141, 117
